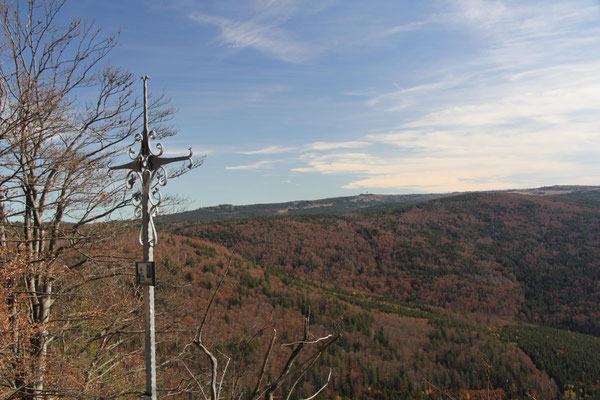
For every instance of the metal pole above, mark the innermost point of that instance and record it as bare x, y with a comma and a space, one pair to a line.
148, 250
150, 342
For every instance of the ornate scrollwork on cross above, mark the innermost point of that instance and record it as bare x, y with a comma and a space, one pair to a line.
147, 174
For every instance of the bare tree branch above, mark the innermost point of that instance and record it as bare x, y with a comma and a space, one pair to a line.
309, 341
223, 375
195, 379
322, 387
212, 299
264, 365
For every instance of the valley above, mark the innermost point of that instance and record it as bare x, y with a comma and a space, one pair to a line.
446, 297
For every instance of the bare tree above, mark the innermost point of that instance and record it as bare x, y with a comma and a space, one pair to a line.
64, 117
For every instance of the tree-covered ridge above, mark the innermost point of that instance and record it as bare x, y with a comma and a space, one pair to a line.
533, 258
330, 206
358, 203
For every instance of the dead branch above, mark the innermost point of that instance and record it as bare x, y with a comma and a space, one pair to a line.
322, 387
214, 387
195, 379
300, 376
443, 392
198, 336
264, 365
223, 374
309, 341
291, 367
287, 370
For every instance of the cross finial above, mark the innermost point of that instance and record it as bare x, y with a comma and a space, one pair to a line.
145, 133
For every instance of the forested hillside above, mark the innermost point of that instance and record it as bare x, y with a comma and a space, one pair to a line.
449, 281
535, 259
388, 349
428, 300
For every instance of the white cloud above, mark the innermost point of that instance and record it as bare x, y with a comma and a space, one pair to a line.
402, 98
270, 150
263, 37
181, 151
409, 27
520, 34
323, 146
335, 163
257, 165
440, 173
360, 92
283, 10
261, 27
315, 146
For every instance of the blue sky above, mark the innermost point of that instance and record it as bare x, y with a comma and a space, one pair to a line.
293, 99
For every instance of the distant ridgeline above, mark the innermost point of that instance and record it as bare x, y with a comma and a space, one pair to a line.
332, 206
350, 204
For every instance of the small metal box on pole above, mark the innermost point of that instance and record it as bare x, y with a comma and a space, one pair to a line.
145, 273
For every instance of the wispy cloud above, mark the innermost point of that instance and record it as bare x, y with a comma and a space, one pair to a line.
263, 37
270, 150
335, 163
257, 165
181, 151
323, 146
401, 98
274, 28
409, 27
315, 146
521, 34
261, 25
441, 173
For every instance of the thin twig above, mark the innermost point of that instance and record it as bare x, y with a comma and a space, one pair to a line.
299, 378
322, 388
223, 374
264, 366
444, 392
288, 371
198, 338
309, 341
195, 379
212, 299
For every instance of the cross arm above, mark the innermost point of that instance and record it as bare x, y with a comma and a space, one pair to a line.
157, 162
134, 165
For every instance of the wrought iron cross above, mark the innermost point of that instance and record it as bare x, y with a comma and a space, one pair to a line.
146, 171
